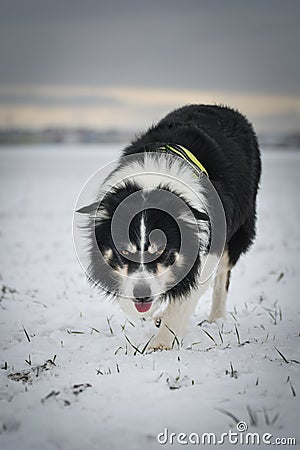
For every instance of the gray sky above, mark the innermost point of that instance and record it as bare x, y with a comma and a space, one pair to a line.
128, 62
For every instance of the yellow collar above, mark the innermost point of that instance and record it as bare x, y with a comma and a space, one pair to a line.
186, 155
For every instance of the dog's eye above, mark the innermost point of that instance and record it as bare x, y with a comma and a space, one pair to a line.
159, 252
124, 252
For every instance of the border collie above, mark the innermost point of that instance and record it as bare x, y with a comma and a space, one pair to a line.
150, 230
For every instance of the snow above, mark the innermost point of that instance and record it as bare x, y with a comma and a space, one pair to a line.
83, 386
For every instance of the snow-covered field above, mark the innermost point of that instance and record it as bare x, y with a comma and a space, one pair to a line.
69, 378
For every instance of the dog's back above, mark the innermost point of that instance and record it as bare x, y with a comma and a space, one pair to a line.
225, 143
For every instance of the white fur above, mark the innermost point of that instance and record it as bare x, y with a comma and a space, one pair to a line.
175, 320
143, 237
218, 309
153, 169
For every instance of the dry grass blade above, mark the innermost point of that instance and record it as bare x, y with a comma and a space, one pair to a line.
280, 276
109, 325
282, 355
209, 335
237, 334
229, 414
175, 337
275, 418
95, 329
292, 389
146, 345
233, 373
252, 416
51, 394
28, 361
272, 316
75, 332
133, 346
267, 420
26, 334
221, 337
233, 316
52, 361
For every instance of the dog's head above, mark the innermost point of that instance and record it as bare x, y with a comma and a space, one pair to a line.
147, 245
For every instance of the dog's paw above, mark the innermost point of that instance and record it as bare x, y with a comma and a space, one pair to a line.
216, 316
158, 347
165, 342
160, 343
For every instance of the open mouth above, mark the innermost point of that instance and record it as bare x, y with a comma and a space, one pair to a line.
143, 306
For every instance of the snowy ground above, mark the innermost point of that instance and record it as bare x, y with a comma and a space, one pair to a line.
69, 379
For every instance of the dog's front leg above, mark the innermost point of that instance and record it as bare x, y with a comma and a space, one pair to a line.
174, 323
221, 285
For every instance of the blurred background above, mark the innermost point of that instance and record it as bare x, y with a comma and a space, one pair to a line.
101, 71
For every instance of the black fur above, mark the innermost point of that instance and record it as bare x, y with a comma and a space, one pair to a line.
153, 218
225, 143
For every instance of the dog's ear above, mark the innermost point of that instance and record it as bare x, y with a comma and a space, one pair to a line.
88, 209
200, 215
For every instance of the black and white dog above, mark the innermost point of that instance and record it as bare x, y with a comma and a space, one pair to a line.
160, 181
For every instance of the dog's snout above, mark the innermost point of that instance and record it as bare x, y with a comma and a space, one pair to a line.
142, 292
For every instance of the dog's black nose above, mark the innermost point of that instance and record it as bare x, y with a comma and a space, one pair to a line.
142, 293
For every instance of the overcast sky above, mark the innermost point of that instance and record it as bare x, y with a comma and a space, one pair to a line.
126, 63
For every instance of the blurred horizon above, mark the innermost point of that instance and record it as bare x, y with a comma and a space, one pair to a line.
123, 65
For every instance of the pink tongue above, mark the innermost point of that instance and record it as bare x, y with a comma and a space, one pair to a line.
143, 307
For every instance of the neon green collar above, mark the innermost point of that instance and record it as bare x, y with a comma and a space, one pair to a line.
186, 155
